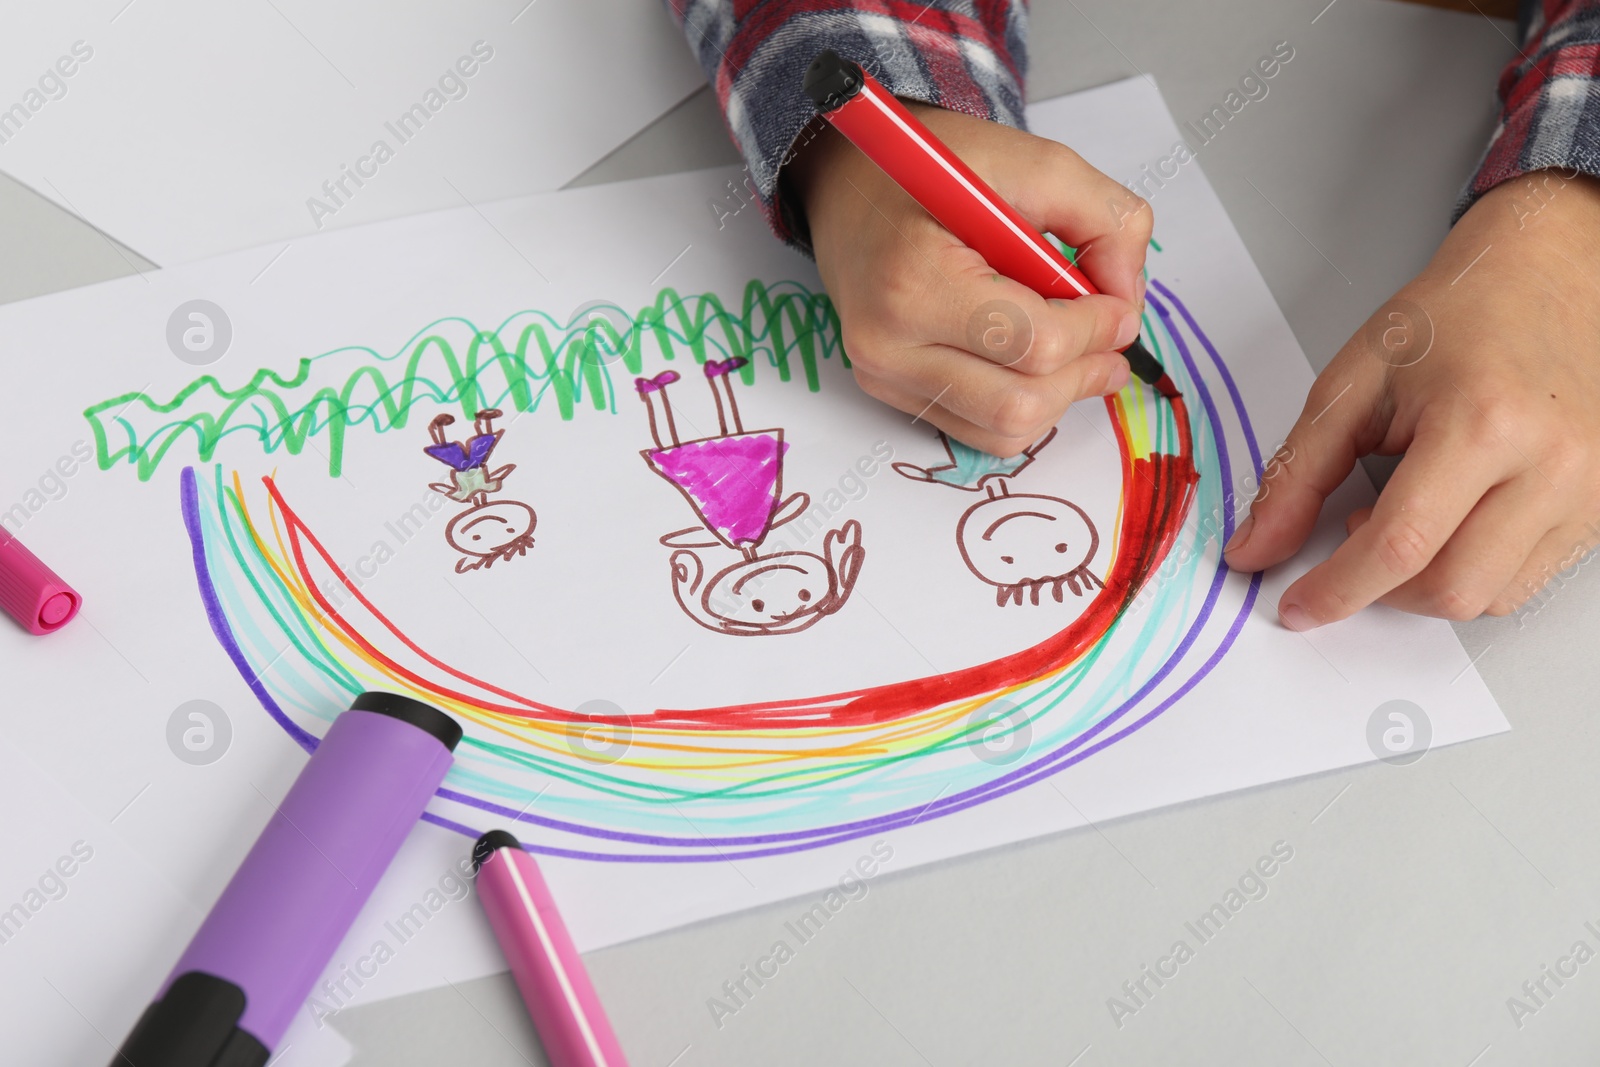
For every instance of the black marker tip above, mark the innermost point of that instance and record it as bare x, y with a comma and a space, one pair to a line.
1146, 367
488, 844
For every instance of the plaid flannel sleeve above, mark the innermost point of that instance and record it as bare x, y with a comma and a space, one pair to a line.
963, 55
1550, 99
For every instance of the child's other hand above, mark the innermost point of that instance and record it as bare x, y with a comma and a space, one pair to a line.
1499, 420
911, 297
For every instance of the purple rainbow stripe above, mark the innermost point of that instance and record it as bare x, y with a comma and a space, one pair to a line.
190, 494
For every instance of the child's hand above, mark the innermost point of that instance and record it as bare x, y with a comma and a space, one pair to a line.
911, 297
1499, 420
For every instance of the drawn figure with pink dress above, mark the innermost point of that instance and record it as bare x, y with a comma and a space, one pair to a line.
734, 483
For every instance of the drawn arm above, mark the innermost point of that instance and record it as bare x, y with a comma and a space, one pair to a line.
691, 537
687, 570
926, 474
687, 574
1033, 450
791, 508
843, 551
916, 473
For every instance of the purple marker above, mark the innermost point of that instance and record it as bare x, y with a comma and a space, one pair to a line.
271, 934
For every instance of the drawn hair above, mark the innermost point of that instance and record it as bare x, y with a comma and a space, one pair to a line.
1078, 581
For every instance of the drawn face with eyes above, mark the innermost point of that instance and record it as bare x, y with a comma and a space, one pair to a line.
779, 593
1024, 543
489, 532
772, 591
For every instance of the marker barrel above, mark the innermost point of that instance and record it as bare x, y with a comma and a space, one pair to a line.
279, 921
878, 124
549, 972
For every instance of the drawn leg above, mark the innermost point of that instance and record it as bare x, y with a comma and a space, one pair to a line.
648, 389
485, 421
721, 371
436, 427
716, 395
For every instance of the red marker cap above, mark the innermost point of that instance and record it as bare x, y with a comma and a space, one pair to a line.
30, 592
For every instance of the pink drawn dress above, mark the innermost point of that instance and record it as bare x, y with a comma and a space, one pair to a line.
734, 482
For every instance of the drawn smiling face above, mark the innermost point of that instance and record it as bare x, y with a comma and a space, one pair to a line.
490, 528
1022, 538
770, 591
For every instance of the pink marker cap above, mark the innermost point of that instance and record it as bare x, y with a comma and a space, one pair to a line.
32, 593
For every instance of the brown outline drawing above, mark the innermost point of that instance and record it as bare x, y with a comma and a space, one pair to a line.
472, 485
721, 602
998, 496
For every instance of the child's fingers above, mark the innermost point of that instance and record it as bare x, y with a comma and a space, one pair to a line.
1557, 555
1315, 459
1015, 328
940, 418
1482, 557
1000, 401
1108, 224
1436, 486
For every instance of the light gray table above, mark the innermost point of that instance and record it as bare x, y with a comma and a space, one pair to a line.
1419, 898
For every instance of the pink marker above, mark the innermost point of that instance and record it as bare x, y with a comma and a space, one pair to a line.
566, 1012
30, 592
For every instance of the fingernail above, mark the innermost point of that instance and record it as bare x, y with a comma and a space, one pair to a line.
1118, 377
1128, 330
1241, 536
1138, 290
1296, 618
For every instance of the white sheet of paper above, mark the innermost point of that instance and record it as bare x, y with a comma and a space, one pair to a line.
1198, 690
186, 129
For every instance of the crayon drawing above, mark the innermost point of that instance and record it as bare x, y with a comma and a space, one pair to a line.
777, 772
734, 483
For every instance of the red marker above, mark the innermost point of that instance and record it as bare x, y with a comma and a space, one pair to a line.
30, 592
565, 1008
878, 124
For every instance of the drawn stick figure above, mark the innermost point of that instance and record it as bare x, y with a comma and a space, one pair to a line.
1020, 543
734, 483
488, 530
